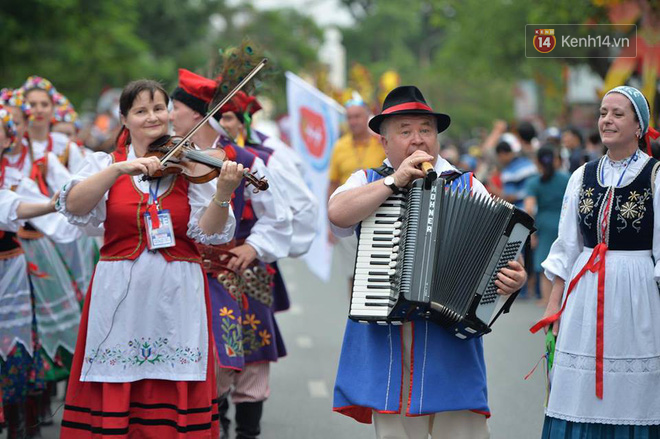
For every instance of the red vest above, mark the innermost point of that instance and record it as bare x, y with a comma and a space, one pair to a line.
125, 233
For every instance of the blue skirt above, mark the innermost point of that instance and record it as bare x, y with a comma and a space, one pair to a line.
554, 428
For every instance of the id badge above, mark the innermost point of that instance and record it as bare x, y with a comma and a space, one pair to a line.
163, 236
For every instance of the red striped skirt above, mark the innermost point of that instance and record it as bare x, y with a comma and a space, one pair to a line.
143, 409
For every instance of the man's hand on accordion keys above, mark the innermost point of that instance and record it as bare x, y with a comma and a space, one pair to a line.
511, 279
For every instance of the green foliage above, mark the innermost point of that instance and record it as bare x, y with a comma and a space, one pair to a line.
466, 55
85, 46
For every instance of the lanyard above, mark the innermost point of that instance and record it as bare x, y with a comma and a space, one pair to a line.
154, 194
152, 209
630, 160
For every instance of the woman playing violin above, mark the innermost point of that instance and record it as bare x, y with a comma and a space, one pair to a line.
144, 360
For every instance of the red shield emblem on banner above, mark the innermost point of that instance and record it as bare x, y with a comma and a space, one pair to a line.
312, 130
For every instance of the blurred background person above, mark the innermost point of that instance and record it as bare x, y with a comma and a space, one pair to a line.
572, 145
543, 201
357, 149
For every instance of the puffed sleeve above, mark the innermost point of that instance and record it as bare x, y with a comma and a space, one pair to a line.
199, 196
92, 164
271, 234
303, 204
76, 158
568, 245
53, 225
58, 175
356, 180
656, 225
9, 202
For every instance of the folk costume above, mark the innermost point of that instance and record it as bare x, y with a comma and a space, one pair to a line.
24, 365
302, 203
265, 292
607, 359
418, 368
55, 293
144, 358
81, 254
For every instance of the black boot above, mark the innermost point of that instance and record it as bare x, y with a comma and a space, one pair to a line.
15, 417
223, 408
32, 408
248, 419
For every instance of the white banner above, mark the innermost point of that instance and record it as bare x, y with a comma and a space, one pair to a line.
314, 120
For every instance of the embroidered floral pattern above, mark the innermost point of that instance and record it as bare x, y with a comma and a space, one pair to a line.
629, 210
254, 336
145, 351
226, 312
232, 334
632, 211
586, 205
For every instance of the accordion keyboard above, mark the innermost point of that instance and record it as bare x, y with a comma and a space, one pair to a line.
378, 248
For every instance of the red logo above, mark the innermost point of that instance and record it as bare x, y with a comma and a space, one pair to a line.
312, 130
544, 40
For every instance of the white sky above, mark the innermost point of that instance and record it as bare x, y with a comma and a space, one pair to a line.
325, 12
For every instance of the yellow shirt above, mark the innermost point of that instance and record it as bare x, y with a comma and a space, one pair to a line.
348, 157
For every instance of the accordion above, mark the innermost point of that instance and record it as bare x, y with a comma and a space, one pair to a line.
435, 252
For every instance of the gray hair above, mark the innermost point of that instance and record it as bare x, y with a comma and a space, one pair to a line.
385, 124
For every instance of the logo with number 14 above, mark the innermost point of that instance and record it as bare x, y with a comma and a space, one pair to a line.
544, 40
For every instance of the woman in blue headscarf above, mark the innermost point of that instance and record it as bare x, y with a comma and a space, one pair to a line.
606, 370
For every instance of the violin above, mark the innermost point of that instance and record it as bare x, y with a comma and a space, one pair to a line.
195, 165
182, 150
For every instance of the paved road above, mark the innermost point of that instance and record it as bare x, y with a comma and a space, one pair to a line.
300, 405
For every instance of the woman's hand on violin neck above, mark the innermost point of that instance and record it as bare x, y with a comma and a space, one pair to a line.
142, 165
230, 177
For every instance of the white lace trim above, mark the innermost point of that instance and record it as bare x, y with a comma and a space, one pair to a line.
607, 421
75, 219
197, 234
610, 365
29, 347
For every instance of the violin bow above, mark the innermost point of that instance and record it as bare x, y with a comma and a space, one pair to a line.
184, 141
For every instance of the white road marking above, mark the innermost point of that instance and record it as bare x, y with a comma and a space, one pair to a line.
317, 389
304, 341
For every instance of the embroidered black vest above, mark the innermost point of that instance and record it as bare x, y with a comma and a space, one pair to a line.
630, 222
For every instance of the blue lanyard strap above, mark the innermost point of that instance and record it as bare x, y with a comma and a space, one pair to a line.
630, 160
154, 194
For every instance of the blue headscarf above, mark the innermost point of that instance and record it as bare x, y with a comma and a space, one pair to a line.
638, 102
642, 110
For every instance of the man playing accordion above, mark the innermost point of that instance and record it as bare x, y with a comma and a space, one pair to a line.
414, 379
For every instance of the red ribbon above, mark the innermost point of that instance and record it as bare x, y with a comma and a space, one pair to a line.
652, 133
153, 213
33, 269
38, 176
3, 164
407, 106
596, 263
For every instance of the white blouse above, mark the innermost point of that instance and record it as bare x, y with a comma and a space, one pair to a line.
56, 175
53, 225
569, 245
302, 203
359, 179
148, 317
271, 234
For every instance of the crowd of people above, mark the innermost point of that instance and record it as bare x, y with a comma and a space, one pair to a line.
154, 290
155, 297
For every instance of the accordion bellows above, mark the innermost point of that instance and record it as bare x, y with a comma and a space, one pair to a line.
435, 252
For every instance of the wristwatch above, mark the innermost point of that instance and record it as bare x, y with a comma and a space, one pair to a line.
389, 182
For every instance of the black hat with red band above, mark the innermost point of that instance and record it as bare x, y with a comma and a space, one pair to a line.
407, 100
